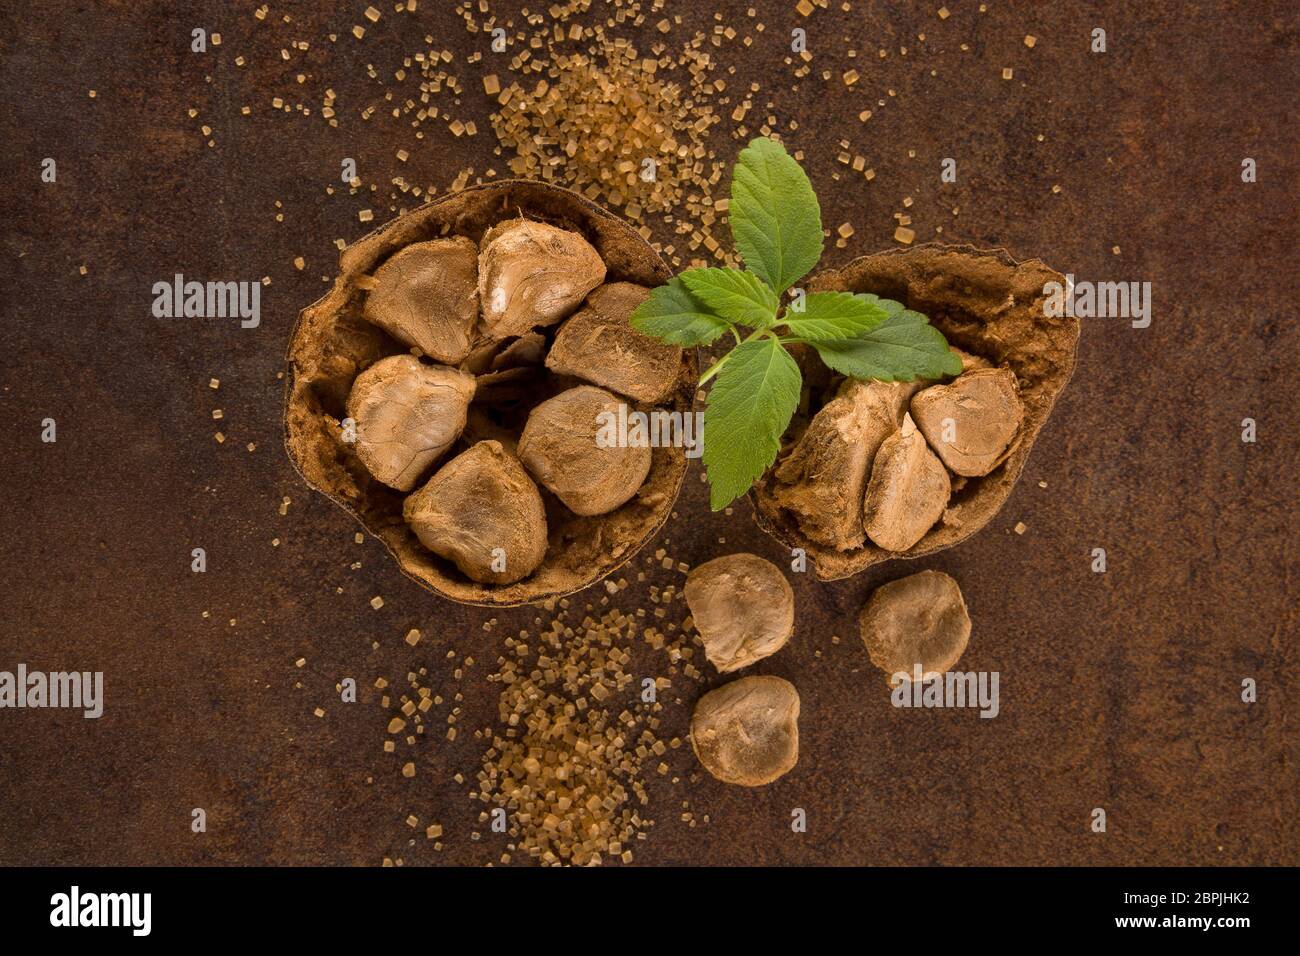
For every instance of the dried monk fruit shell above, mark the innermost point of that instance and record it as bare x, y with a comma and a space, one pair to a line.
747, 732
823, 479
532, 274
971, 421
993, 311
743, 608
357, 345
426, 295
599, 345
559, 447
908, 491
408, 414
919, 619
482, 512
333, 343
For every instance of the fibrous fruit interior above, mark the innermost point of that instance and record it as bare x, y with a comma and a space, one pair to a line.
823, 478
908, 490
971, 422
561, 447
532, 274
426, 295
598, 344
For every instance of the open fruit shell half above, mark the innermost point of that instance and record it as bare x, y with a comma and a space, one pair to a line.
985, 303
332, 343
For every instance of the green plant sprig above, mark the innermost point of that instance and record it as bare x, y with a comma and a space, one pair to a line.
777, 227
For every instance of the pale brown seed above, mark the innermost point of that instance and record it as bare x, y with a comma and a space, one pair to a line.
917, 620
747, 732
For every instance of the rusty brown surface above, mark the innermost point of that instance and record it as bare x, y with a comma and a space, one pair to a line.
1119, 690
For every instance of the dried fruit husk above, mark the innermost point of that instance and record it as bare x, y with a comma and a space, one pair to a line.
332, 343
987, 304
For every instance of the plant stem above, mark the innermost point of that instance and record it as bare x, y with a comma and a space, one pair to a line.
713, 369
716, 367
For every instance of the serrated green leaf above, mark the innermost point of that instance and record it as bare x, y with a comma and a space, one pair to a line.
902, 348
775, 218
671, 314
827, 316
891, 307
737, 296
749, 407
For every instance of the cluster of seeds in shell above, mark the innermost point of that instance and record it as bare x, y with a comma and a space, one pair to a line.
880, 461
482, 439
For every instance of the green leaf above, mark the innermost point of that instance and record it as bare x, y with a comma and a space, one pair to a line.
672, 315
902, 348
775, 218
750, 405
834, 315
891, 307
739, 297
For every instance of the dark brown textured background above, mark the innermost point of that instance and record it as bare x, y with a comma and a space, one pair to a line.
1118, 690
